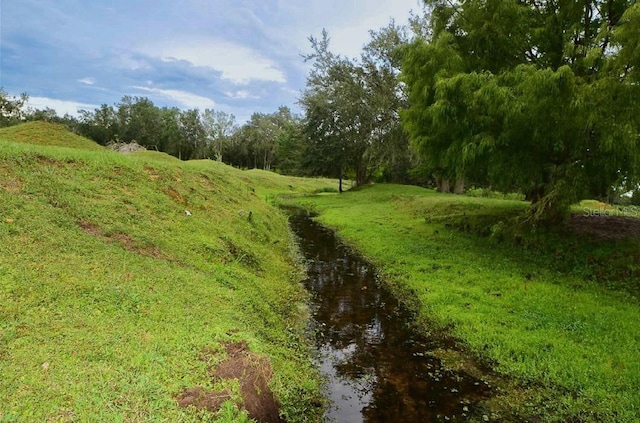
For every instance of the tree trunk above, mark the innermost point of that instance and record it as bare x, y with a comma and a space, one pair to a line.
459, 186
443, 185
360, 175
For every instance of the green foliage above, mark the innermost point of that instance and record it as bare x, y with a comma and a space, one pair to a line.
537, 97
352, 124
260, 138
110, 291
219, 127
554, 312
11, 108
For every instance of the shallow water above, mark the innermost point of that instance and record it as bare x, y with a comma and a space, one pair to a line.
377, 369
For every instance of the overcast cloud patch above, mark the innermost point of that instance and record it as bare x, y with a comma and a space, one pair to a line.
183, 97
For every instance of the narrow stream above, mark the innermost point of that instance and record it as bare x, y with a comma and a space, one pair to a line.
376, 368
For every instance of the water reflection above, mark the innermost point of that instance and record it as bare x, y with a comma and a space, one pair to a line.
377, 370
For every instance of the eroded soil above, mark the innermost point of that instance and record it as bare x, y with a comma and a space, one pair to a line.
606, 227
253, 372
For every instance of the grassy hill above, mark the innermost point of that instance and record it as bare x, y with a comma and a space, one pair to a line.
555, 314
47, 134
127, 280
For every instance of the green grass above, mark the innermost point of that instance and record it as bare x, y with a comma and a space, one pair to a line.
533, 306
269, 184
109, 291
47, 134
154, 155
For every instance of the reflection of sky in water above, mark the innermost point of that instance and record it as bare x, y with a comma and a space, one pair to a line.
348, 393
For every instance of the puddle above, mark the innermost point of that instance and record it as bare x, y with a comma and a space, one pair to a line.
376, 368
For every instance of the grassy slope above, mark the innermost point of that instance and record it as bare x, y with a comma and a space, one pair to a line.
109, 291
573, 343
48, 134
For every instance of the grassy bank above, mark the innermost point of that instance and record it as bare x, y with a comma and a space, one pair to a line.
126, 281
536, 307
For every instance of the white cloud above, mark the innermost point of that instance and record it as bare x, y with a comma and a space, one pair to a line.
238, 64
348, 29
185, 98
87, 81
61, 107
241, 95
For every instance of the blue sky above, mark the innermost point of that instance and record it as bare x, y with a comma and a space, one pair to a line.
238, 56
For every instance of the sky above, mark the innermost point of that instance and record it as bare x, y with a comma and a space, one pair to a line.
237, 56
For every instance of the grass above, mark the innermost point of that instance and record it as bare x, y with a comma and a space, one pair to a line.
534, 306
47, 134
110, 291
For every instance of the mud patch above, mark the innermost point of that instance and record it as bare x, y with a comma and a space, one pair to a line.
610, 228
253, 372
202, 399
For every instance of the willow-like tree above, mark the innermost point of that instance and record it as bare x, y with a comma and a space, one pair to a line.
539, 96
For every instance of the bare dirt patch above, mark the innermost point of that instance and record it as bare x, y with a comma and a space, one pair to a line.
59, 164
202, 399
175, 196
253, 372
126, 241
12, 186
153, 173
610, 228
90, 228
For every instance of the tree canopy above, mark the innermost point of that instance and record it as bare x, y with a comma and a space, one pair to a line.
352, 123
540, 96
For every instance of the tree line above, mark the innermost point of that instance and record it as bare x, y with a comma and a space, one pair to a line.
532, 96
265, 141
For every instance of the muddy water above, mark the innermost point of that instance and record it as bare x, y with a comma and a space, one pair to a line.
377, 369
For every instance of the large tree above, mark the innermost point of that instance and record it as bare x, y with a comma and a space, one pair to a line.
536, 95
352, 107
219, 127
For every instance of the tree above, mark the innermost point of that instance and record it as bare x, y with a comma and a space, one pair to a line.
12, 108
352, 121
144, 122
532, 95
290, 147
256, 143
169, 133
218, 127
101, 125
192, 135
